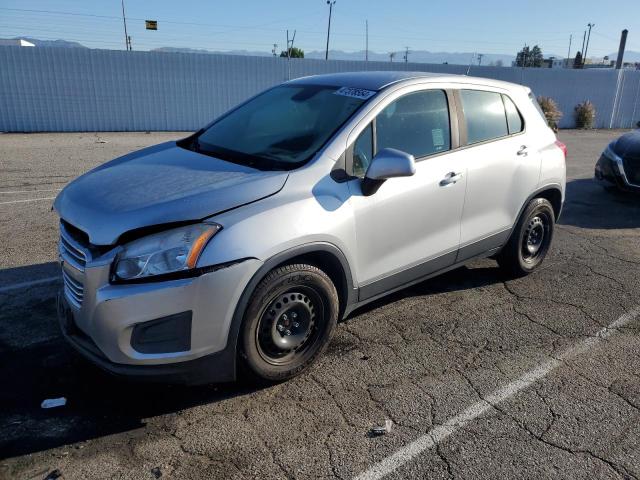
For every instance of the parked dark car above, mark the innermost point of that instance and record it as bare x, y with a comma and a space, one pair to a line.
619, 164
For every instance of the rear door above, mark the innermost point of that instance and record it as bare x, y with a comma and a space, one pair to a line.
503, 168
410, 227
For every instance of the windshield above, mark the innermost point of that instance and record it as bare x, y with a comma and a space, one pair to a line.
283, 127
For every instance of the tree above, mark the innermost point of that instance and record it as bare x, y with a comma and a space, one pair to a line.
530, 57
294, 52
577, 62
537, 59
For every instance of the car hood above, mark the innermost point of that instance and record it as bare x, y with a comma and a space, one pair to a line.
157, 185
628, 145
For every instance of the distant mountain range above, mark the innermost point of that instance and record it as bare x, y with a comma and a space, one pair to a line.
415, 56
51, 43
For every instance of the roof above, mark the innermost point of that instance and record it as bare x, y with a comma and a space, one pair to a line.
379, 80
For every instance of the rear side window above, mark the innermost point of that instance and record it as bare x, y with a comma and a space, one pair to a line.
534, 100
417, 123
485, 115
514, 119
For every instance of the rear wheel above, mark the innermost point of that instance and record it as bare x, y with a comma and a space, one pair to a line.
530, 240
289, 322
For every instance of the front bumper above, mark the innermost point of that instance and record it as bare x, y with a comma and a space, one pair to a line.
101, 326
610, 172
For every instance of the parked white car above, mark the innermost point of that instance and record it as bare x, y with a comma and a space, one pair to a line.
246, 242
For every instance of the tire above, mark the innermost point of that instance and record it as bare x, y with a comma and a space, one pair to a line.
530, 240
289, 322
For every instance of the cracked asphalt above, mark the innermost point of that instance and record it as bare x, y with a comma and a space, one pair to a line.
418, 357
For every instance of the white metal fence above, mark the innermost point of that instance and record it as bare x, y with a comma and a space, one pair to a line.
57, 89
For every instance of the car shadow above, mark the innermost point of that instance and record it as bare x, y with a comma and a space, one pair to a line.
28, 273
589, 205
37, 364
484, 272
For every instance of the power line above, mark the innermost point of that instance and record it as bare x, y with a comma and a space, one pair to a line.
258, 27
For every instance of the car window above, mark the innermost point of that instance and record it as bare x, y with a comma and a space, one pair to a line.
485, 115
514, 119
417, 123
363, 152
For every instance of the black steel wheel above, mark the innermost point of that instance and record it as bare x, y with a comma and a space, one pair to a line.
530, 240
289, 322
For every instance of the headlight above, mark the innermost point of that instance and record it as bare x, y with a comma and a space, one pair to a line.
166, 252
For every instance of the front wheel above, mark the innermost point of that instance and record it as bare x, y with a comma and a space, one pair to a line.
289, 322
530, 240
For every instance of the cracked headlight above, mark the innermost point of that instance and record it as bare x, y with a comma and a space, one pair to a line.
166, 252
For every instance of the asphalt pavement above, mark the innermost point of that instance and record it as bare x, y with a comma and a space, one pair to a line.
482, 376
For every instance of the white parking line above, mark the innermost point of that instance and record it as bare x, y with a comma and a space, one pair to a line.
449, 427
15, 192
29, 200
32, 283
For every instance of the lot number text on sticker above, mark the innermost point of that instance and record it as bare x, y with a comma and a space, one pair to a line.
355, 92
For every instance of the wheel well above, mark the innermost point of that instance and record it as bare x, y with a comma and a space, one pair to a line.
555, 198
329, 264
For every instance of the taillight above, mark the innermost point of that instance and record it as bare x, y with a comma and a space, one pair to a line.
562, 147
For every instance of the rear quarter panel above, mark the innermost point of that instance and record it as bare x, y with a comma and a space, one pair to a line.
552, 164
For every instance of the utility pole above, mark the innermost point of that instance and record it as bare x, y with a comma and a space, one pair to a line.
584, 56
406, 54
289, 48
391, 55
623, 42
480, 55
127, 38
331, 3
366, 48
584, 39
569, 52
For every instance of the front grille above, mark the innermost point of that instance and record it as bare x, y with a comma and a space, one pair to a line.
71, 250
73, 289
632, 170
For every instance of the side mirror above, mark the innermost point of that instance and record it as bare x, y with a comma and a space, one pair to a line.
388, 163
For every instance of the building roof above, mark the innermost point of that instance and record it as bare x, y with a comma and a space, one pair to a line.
381, 79
15, 42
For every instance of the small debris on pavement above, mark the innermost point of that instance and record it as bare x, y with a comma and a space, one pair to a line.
53, 475
53, 402
364, 357
379, 430
156, 472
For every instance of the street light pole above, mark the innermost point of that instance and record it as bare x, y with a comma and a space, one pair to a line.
584, 56
126, 37
331, 3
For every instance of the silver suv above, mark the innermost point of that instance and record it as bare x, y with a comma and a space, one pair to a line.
242, 246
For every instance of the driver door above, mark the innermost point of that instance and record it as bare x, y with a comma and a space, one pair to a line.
410, 227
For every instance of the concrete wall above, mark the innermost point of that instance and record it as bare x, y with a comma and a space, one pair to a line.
58, 89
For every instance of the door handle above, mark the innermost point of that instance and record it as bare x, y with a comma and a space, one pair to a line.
450, 178
523, 151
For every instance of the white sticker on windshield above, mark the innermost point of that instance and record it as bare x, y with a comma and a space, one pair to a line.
353, 92
438, 137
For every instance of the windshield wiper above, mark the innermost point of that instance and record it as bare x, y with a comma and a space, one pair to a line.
252, 161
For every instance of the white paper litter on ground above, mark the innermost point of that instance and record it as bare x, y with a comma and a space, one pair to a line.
53, 402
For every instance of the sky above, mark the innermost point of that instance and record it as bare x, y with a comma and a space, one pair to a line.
489, 26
